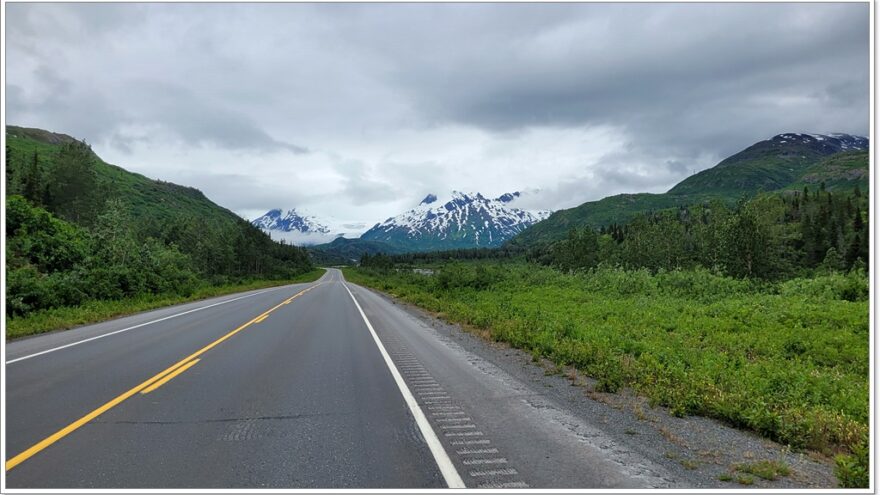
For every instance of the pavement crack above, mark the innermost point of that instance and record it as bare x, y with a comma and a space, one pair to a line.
223, 420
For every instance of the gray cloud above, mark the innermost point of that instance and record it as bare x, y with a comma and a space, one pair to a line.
357, 110
667, 73
358, 186
225, 188
185, 113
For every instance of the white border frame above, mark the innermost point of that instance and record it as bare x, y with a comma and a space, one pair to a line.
872, 304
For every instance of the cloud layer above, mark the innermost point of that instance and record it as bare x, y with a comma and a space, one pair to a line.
356, 111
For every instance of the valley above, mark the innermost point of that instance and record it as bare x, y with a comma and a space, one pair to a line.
781, 226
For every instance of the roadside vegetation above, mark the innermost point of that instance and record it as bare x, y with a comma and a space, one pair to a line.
100, 310
788, 360
80, 248
755, 315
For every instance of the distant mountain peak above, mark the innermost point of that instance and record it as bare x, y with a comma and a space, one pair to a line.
275, 213
292, 221
465, 220
508, 197
430, 198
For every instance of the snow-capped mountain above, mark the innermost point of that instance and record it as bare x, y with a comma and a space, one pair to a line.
465, 220
299, 228
290, 222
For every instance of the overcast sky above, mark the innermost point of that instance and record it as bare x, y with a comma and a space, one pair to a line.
356, 112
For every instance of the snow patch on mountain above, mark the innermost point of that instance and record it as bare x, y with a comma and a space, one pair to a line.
833, 143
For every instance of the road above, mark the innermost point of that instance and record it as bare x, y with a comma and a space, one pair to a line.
320, 385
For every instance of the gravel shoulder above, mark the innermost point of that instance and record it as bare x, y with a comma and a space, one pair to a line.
695, 452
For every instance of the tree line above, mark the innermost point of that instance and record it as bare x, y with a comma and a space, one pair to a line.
772, 236
383, 260
70, 239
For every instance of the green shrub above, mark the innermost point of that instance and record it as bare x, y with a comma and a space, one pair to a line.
616, 280
852, 287
701, 284
34, 236
852, 470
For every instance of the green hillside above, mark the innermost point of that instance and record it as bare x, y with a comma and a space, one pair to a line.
764, 166
840, 172
787, 161
82, 232
606, 211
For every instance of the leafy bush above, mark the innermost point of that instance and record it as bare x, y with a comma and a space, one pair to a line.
852, 469
701, 284
459, 276
616, 280
24, 290
34, 236
852, 287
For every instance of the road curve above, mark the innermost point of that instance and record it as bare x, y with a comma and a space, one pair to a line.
321, 385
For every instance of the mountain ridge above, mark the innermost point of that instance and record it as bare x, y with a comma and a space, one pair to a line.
768, 165
774, 164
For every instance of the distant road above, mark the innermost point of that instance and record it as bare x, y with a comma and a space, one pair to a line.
309, 385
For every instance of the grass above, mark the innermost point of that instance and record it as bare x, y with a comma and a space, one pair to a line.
744, 479
768, 470
96, 311
787, 360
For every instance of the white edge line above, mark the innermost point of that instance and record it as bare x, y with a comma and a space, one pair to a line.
135, 326
447, 469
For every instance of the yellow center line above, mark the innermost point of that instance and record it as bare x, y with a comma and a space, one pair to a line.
261, 318
170, 376
58, 435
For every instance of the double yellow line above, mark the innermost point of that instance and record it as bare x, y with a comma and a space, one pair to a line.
149, 385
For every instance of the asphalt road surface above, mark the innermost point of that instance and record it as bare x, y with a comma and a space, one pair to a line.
321, 385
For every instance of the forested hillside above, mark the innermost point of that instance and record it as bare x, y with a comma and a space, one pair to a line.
79, 229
